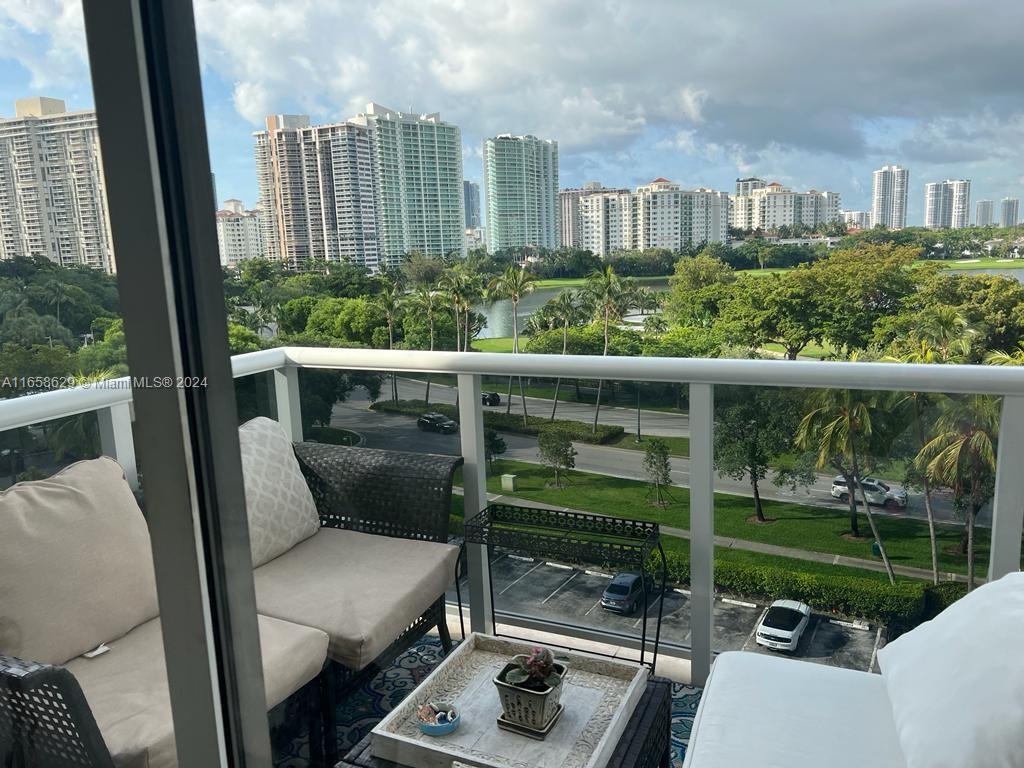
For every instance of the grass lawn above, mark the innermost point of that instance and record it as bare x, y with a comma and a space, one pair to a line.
498, 344
962, 265
677, 446
577, 282
819, 529
758, 272
817, 351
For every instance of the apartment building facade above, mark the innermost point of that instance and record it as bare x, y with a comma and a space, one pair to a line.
471, 199
984, 215
889, 185
238, 234
318, 192
947, 204
657, 215
569, 211
773, 206
858, 219
521, 192
418, 167
52, 190
1009, 210
748, 185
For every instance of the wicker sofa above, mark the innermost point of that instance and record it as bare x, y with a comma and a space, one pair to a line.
76, 574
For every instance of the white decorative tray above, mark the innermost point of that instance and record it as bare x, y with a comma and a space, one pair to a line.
600, 695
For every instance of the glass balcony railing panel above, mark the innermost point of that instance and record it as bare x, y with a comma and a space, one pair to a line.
794, 469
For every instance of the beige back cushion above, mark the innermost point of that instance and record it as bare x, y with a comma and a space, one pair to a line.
277, 499
76, 569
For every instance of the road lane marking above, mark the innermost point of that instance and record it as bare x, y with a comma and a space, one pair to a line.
753, 631
559, 587
512, 584
649, 617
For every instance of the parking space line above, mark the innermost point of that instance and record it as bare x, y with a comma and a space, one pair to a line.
593, 607
683, 592
814, 634
560, 565
598, 574
519, 557
874, 651
513, 583
577, 573
637, 623
754, 630
851, 624
740, 603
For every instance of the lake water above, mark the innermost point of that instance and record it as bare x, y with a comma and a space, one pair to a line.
1015, 274
499, 314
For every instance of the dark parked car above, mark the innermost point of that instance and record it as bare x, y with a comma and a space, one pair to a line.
625, 593
437, 422
490, 398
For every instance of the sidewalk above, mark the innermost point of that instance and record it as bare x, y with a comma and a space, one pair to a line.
765, 549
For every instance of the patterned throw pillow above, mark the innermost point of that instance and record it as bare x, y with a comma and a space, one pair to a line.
280, 507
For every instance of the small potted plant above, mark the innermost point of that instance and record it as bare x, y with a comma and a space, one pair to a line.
530, 687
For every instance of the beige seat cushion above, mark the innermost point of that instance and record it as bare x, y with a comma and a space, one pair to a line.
126, 687
76, 568
278, 502
362, 590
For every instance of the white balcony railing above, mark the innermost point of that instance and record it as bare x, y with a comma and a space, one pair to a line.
111, 400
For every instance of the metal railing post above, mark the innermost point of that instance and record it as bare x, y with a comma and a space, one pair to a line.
116, 439
702, 530
474, 484
1008, 503
286, 393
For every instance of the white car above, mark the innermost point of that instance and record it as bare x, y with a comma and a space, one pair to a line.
783, 624
878, 493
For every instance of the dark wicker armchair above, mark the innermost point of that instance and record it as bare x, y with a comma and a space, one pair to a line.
387, 493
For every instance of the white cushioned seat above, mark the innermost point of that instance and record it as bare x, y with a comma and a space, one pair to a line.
126, 687
768, 712
361, 589
76, 568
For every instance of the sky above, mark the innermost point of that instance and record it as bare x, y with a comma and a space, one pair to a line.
810, 94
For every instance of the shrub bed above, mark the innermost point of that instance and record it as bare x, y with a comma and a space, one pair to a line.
903, 604
506, 422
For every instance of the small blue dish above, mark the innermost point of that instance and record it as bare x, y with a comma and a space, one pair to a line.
442, 729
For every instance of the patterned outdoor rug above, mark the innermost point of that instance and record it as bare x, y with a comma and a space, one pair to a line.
365, 707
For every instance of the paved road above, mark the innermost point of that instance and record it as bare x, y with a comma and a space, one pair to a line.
550, 590
651, 422
399, 432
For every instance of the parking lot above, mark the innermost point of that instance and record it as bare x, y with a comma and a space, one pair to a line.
544, 589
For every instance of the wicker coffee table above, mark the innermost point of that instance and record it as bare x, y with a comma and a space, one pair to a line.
644, 744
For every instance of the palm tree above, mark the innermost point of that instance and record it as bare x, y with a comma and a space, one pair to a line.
947, 331
53, 291
608, 292
918, 403
1000, 357
962, 457
427, 302
513, 284
567, 309
389, 303
840, 428
454, 283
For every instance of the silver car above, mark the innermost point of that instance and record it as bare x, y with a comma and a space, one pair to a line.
878, 493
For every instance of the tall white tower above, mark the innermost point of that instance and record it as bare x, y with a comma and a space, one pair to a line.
889, 186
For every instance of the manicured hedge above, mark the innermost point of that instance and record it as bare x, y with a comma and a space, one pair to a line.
505, 422
938, 597
902, 604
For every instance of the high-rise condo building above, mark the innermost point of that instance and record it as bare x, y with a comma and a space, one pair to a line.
471, 199
521, 192
773, 206
746, 186
238, 234
858, 219
947, 204
656, 215
1010, 212
984, 213
569, 211
889, 185
317, 187
52, 191
419, 182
